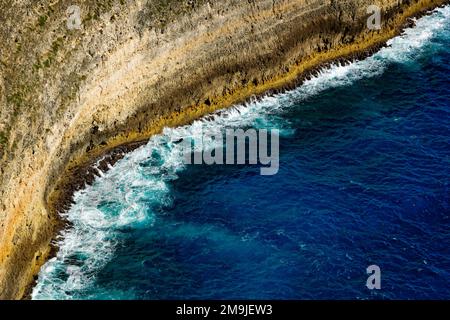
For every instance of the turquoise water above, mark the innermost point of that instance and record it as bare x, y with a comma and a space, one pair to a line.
364, 179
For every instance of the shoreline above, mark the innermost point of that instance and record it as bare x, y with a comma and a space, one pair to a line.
75, 179
85, 170
70, 99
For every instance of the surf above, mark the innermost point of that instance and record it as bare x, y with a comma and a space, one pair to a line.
134, 189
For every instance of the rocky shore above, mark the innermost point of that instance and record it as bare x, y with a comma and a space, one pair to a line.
71, 96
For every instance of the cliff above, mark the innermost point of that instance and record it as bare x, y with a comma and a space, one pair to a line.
69, 95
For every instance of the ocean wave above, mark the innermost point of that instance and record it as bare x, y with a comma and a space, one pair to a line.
138, 186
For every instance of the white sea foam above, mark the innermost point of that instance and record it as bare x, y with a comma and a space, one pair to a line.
128, 195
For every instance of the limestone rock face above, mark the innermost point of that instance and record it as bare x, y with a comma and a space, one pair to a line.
78, 81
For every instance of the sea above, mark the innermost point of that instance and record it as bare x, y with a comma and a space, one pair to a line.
363, 180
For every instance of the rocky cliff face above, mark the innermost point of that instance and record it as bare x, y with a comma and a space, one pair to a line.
69, 94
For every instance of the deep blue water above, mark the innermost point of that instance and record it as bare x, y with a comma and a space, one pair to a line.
364, 179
